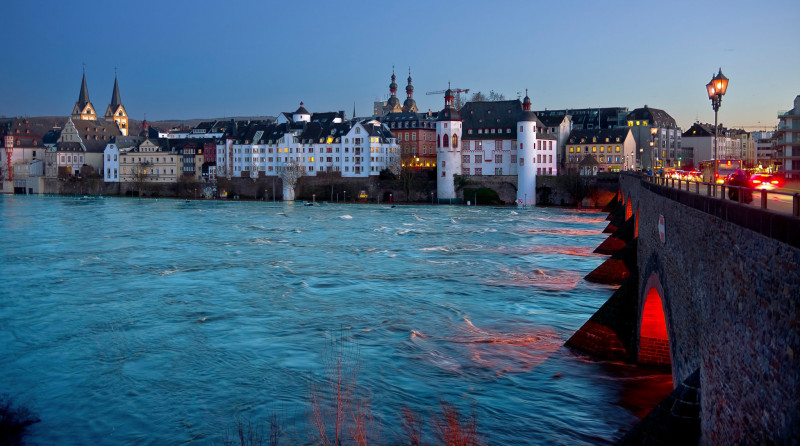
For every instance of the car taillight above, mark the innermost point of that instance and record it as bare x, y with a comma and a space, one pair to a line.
774, 181
756, 181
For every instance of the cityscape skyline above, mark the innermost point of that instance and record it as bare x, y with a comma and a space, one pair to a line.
200, 60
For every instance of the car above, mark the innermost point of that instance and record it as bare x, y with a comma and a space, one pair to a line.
739, 182
764, 181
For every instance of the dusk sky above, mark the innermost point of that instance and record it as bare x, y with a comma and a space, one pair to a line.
200, 59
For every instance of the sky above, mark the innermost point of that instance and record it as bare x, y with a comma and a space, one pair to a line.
201, 59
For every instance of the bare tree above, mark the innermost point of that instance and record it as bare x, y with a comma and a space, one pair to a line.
492, 97
138, 176
496, 97
290, 174
478, 97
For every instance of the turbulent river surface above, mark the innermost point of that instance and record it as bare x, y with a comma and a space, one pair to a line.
128, 321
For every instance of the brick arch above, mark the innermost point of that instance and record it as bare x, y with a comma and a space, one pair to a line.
654, 346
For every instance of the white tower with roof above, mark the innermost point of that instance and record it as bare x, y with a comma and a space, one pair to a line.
448, 148
526, 154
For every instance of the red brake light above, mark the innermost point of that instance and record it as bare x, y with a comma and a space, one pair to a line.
756, 181
774, 181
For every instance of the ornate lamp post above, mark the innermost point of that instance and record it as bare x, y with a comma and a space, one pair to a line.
653, 154
716, 89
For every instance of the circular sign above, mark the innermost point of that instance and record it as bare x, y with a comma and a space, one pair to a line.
661, 233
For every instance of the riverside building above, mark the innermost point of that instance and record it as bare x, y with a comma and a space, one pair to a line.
502, 138
319, 142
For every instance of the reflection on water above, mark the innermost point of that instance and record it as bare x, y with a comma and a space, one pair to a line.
126, 321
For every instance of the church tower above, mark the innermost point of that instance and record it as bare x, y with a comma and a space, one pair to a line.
410, 105
448, 148
83, 107
393, 104
526, 154
115, 111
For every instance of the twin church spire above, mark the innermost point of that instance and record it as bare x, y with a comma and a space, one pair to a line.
84, 109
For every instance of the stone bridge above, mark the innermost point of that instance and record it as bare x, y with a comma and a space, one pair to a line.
709, 289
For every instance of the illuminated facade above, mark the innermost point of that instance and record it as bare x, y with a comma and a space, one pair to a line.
320, 142
651, 125
416, 136
612, 149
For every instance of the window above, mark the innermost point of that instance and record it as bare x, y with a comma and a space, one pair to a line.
478, 171
445, 141
513, 159
464, 158
521, 162
498, 159
498, 170
455, 141
594, 148
617, 149
478, 159
498, 145
465, 170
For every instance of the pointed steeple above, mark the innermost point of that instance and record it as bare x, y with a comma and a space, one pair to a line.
115, 101
116, 111
83, 108
83, 96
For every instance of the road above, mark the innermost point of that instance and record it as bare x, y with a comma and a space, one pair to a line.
779, 200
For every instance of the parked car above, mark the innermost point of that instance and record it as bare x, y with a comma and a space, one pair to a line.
764, 181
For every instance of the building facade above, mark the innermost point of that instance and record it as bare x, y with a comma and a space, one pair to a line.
613, 150
416, 137
787, 144
493, 139
658, 139
320, 142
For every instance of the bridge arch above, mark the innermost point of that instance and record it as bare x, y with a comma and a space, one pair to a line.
654, 345
628, 209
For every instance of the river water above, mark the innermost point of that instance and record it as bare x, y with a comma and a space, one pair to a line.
128, 321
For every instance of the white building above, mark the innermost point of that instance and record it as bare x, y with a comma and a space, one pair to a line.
321, 142
111, 164
494, 137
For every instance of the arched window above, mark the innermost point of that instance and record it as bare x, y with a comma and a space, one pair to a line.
445, 141
455, 141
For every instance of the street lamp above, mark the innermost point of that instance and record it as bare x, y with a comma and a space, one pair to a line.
654, 157
716, 89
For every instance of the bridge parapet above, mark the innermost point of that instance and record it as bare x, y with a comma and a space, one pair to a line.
729, 282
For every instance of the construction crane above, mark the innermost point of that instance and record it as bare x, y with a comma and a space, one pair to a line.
457, 91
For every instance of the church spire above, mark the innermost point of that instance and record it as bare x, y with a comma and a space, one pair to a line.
116, 111
115, 100
83, 96
83, 108
410, 105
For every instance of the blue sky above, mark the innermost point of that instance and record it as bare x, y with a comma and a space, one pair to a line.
194, 59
